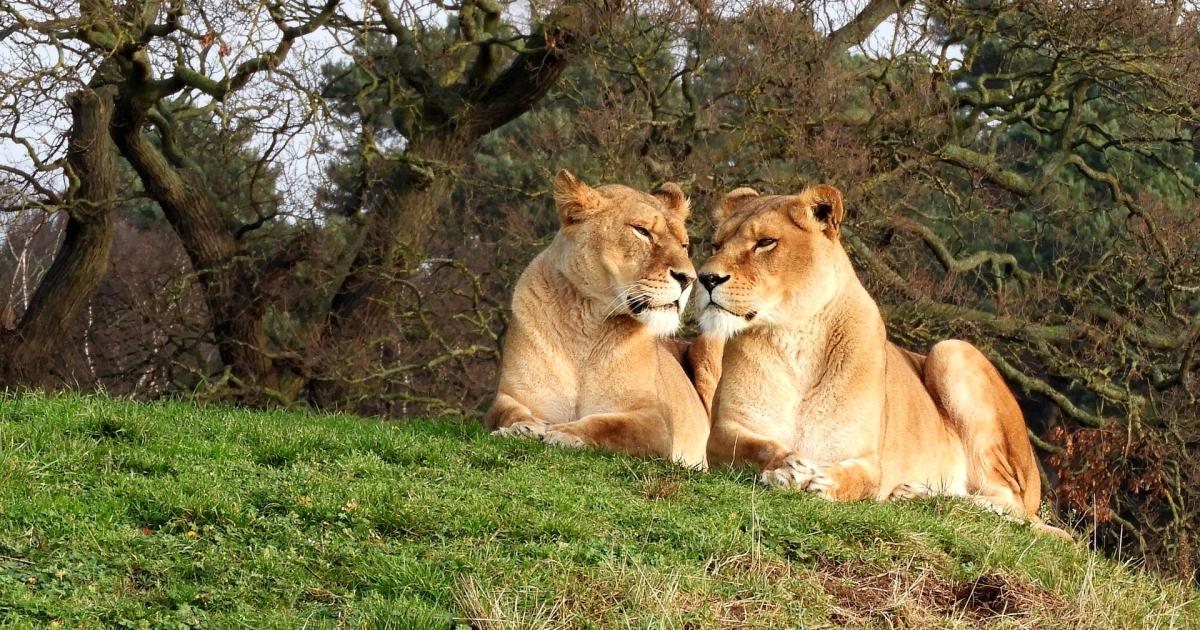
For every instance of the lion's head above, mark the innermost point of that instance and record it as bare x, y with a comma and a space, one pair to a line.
777, 259
626, 249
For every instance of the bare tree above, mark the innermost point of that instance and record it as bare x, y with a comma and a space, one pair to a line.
90, 171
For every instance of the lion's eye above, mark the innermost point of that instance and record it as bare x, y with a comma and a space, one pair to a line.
765, 243
641, 231
688, 247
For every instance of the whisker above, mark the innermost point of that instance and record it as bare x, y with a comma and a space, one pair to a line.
636, 293
619, 300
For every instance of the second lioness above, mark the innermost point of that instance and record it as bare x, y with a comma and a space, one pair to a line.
816, 397
587, 359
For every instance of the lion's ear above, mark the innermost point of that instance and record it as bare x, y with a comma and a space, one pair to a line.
825, 204
733, 200
575, 199
671, 195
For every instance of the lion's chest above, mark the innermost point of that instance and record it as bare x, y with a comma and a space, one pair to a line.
766, 389
624, 376
602, 376
802, 400
820, 430
843, 425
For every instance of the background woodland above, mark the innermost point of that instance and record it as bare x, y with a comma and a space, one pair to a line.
325, 204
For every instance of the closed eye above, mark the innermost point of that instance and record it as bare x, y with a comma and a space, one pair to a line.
765, 244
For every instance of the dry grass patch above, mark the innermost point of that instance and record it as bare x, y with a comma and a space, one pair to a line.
922, 597
498, 608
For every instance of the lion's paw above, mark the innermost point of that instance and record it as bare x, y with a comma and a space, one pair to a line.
794, 472
560, 438
823, 484
532, 429
910, 491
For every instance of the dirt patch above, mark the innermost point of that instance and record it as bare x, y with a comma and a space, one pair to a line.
914, 596
994, 595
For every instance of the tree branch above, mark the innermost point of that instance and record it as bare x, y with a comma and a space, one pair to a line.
533, 72
858, 29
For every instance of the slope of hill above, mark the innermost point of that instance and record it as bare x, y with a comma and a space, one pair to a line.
177, 516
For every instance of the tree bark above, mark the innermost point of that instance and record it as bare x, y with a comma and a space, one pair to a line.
82, 259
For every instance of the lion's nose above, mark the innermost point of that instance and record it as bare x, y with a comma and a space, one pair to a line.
684, 279
711, 280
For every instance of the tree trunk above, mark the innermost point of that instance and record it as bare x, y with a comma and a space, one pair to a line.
228, 276
82, 259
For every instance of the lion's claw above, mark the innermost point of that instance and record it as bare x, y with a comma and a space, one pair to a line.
822, 484
800, 474
794, 472
534, 430
910, 491
559, 438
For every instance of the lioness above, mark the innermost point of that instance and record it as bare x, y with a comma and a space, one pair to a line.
814, 394
587, 359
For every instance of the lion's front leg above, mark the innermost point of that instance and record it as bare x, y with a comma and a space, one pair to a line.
704, 362
509, 418
640, 433
736, 444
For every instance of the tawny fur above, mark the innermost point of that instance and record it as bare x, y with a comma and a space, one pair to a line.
588, 358
814, 395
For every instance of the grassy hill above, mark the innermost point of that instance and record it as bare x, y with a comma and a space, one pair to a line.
173, 516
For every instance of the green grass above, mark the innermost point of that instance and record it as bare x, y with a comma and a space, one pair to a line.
170, 515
